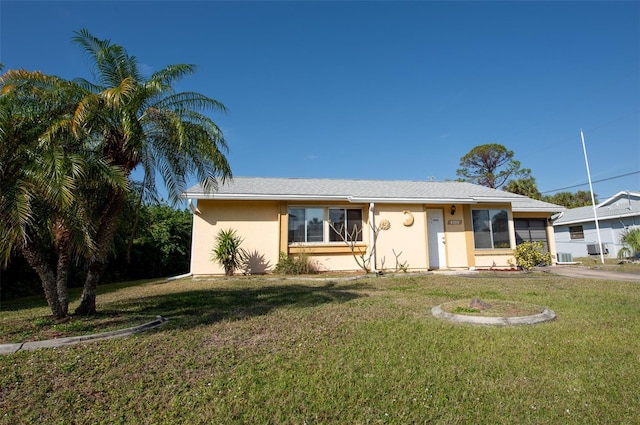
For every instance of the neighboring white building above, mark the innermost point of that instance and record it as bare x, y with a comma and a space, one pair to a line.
575, 229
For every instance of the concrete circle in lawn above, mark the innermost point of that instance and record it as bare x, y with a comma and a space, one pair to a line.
527, 315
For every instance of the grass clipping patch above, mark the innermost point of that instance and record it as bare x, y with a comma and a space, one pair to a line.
491, 308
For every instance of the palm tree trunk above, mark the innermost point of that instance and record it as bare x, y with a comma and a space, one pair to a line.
98, 261
62, 279
63, 250
39, 263
87, 305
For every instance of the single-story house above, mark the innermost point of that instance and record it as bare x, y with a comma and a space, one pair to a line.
421, 225
575, 228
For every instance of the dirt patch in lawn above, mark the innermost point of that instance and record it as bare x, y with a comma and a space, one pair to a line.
496, 308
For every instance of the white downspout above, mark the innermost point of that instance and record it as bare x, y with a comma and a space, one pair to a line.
372, 237
194, 211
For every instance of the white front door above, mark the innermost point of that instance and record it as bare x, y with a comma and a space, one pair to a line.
435, 238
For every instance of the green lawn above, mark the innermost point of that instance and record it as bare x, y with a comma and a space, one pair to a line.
259, 350
610, 264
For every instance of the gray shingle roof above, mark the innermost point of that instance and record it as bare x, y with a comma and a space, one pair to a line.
623, 204
354, 190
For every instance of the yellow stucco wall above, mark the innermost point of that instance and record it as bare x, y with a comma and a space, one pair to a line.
255, 221
408, 242
456, 237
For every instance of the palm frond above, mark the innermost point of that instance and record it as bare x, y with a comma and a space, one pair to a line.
111, 62
185, 101
170, 74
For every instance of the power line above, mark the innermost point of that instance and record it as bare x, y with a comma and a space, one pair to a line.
595, 181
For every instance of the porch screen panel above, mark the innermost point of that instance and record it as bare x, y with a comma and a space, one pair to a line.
531, 230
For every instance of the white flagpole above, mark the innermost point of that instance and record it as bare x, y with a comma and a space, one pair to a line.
593, 199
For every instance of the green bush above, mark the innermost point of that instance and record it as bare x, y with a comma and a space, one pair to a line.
227, 251
299, 264
531, 254
630, 239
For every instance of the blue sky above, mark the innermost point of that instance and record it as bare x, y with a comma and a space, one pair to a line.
380, 90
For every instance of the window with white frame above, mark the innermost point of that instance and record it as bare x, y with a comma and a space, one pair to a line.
345, 224
490, 229
322, 225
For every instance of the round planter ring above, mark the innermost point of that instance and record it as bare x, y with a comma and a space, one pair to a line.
545, 316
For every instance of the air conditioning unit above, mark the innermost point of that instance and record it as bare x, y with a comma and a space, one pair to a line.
593, 249
565, 257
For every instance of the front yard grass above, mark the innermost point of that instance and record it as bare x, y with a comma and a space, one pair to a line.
610, 264
266, 350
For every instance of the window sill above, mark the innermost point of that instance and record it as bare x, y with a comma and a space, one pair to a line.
319, 248
496, 251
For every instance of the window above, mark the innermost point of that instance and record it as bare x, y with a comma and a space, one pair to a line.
576, 232
308, 225
346, 224
490, 229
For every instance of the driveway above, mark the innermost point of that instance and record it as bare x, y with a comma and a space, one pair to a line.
591, 273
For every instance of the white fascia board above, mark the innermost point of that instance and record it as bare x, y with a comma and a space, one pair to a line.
619, 195
600, 218
584, 220
547, 210
494, 200
550, 211
354, 199
259, 197
334, 198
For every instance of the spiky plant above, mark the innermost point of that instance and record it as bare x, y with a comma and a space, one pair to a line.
227, 251
630, 238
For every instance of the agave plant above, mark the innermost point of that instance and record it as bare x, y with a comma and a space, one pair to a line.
630, 238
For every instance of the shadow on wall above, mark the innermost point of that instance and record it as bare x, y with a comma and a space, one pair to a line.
255, 263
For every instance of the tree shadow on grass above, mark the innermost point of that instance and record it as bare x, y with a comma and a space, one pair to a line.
200, 307
35, 301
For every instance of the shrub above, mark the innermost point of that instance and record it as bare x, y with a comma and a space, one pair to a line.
299, 264
630, 239
531, 254
227, 251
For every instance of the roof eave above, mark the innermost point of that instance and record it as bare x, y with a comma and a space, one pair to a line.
260, 197
334, 198
600, 218
545, 210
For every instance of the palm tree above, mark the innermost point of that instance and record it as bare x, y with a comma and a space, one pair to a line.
630, 238
525, 186
42, 173
136, 121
